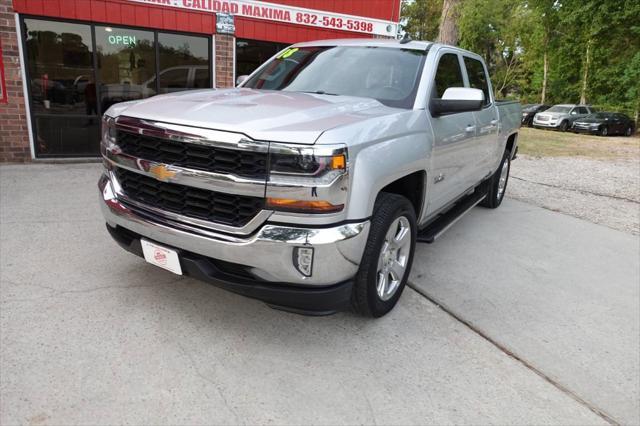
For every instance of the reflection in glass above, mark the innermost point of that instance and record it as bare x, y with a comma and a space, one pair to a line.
184, 62
62, 88
69, 136
60, 67
126, 64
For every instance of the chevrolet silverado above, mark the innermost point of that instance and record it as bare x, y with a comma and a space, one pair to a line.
308, 186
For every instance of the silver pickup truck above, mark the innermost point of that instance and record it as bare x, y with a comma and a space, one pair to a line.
308, 186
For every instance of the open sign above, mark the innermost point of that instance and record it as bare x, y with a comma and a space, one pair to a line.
122, 40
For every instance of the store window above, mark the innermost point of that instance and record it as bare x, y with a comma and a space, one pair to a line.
126, 65
250, 54
184, 62
62, 87
77, 71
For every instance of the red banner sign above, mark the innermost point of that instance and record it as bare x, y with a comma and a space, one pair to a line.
289, 14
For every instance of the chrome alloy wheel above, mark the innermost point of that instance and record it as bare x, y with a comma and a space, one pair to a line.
394, 258
502, 183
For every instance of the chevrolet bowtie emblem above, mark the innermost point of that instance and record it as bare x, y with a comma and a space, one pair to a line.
162, 172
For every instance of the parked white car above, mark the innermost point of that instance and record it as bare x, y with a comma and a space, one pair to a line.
561, 117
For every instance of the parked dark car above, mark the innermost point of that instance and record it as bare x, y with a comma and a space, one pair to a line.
529, 110
604, 124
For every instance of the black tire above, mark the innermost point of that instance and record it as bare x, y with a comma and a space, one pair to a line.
494, 198
564, 126
604, 131
629, 131
365, 299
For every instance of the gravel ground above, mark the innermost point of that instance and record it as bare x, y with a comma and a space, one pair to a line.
606, 192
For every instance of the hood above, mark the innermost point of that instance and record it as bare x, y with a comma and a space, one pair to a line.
591, 120
553, 114
260, 114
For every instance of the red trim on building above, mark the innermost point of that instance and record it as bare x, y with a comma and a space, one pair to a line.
164, 18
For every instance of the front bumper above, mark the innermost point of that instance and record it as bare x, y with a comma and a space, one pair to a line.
589, 130
552, 124
305, 300
267, 254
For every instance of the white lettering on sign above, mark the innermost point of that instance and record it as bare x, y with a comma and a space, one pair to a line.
119, 39
289, 14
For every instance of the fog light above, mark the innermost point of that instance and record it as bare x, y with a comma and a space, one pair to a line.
303, 260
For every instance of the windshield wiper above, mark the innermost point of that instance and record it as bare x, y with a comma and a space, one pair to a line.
319, 92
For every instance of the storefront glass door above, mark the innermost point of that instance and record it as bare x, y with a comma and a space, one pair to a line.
77, 71
59, 58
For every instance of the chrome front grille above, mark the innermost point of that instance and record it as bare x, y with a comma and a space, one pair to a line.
191, 202
194, 156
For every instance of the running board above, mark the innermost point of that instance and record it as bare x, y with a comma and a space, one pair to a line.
439, 226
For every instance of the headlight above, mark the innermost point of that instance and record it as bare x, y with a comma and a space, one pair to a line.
306, 163
306, 179
108, 130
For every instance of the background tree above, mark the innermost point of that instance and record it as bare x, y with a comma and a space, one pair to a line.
421, 18
448, 29
550, 51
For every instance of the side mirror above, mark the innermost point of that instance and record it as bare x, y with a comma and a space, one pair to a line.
241, 79
457, 99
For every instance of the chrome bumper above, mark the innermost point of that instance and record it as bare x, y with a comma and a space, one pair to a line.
549, 124
268, 253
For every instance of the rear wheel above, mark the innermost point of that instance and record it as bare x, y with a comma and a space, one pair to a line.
387, 257
497, 184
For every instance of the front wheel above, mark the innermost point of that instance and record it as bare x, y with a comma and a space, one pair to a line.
604, 131
387, 257
497, 184
629, 131
564, 126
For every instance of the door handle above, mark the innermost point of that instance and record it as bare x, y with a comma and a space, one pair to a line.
494, 122
470, 129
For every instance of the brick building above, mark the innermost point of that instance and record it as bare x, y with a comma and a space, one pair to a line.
64, 62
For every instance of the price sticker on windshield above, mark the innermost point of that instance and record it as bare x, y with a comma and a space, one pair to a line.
287, 53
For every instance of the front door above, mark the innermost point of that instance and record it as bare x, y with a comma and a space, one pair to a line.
454, 137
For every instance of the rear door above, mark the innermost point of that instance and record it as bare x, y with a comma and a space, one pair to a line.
619, 123
454, 137
486, 122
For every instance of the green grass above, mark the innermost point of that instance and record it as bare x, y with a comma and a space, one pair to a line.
549, 143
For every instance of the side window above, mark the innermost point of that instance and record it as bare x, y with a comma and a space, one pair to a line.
477, 77
448, 74
583, 110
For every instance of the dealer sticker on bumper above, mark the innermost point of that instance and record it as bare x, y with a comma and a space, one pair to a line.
161, 256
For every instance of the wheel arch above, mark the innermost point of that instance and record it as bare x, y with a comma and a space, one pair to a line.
512, 144
410, 186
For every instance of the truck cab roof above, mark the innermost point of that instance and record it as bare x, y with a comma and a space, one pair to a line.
389, 43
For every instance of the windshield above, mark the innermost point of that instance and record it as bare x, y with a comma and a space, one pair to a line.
599, 115
560, 109
389, 75
529, 108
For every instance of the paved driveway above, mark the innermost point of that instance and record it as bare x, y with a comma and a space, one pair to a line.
91, 334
